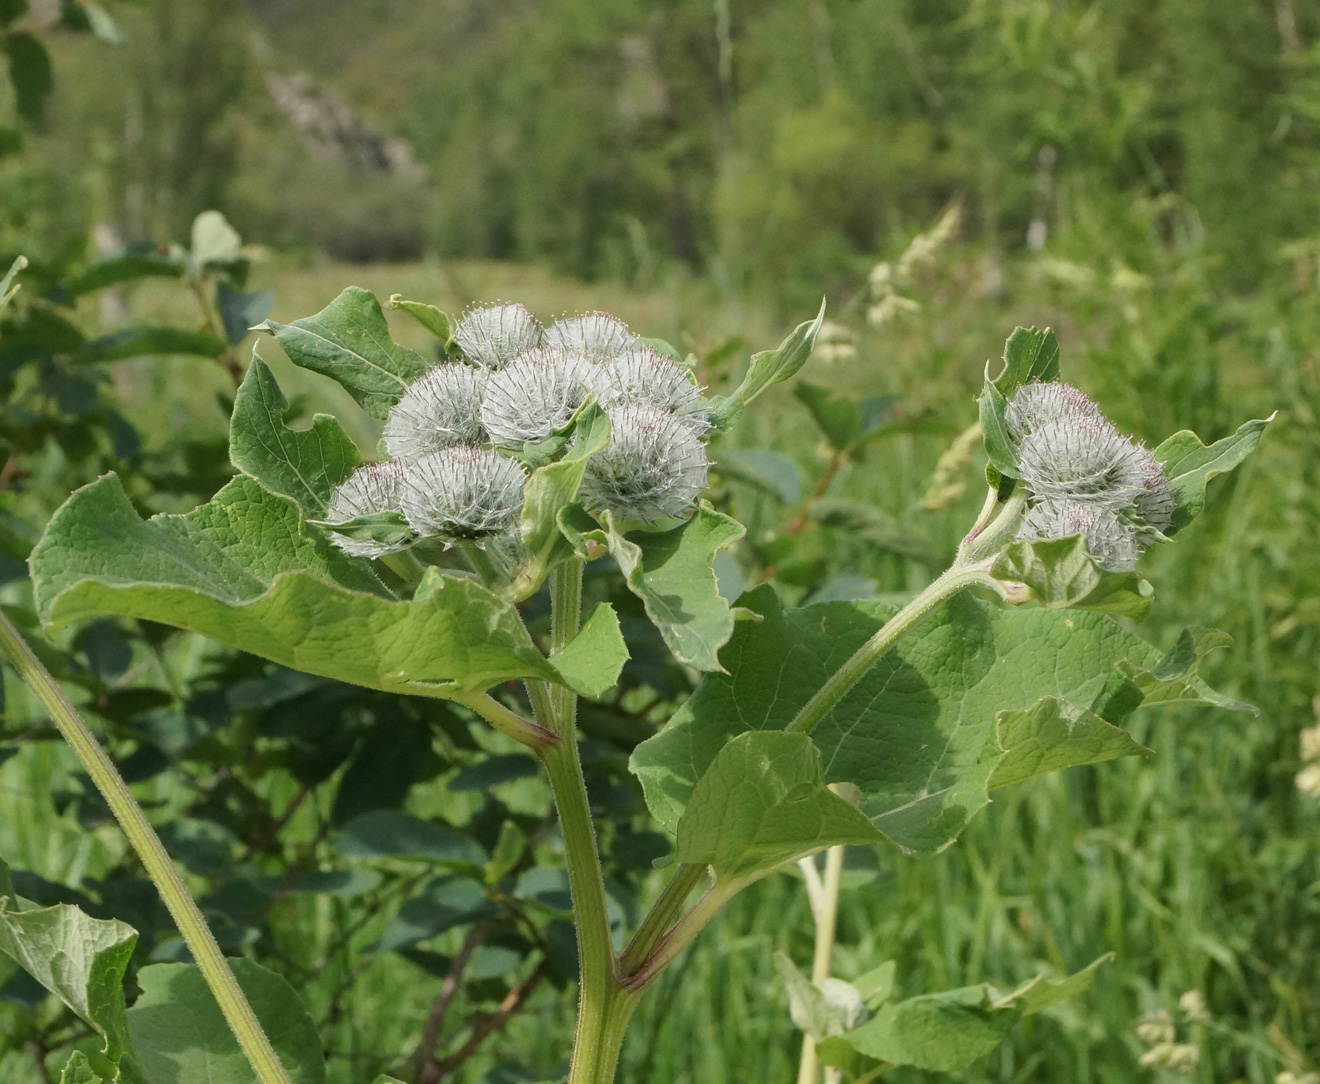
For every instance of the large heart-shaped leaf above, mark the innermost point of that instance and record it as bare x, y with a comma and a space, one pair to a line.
247, 571
350, 342
180, 1036
920, 734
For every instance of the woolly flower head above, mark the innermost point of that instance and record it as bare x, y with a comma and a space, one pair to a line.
1036, 404
598, 335
440, 408
534, 395
462, 493
653, 468
644, 377
493, 335
1084, 459
373, 488
1155, 503
1113, 543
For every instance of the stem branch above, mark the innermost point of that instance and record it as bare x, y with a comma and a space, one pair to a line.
196, 934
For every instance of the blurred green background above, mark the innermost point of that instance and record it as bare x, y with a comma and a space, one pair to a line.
1142, 175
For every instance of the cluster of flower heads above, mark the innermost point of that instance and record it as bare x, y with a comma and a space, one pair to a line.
1085, 477
453, 436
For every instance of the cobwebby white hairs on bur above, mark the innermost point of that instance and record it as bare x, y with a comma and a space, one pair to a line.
493, 335
642, 376
1156, 502
1036, 404
1082, 458
1113, 543
534, 395
598, 335
653, 468
462, 493
440, 408
373, 488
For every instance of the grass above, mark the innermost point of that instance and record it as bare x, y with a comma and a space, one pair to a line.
1199, 869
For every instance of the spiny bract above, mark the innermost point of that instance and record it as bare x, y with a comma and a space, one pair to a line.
373, 488
534, 395
653, 468
1113, 543
493, 335
598, 335
462, 493
440, 408
642, 376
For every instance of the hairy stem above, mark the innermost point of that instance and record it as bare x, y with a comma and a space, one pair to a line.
603, 1008
684, 932
662, 915
196, 934
535, 735
866, 656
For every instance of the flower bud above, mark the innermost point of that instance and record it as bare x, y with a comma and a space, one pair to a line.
1156, 502
373, 488
653, 468
440, 408
534, 395
641, 376
598, 335
462, 493
1084, 459
1112, 543
1036, 404
493, 335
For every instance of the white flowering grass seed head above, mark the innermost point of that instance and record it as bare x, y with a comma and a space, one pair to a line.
441, 408
642, 376
462, 493
598, 335
534, 395
373, 488
653, 468
493, 335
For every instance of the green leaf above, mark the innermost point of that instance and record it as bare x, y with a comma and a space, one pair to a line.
768, 471
553, 486
245, 570
388, 528
79, 1071
350, 342
11, 10
239, 311
918, 734
431, 318
214, 241
838, 417
945, 1031
672, 573
123, 267
387, 833
305, 464
807, 1006
180, 1035
101, 23
1040, 993
1189, 465
762, 803
140, 341
1052, 735
443, 904
1029, 354
769, 367
1062, 573
9, 284
30, 72
594, 658
81, 960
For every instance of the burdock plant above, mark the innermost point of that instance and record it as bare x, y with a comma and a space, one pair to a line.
523, 454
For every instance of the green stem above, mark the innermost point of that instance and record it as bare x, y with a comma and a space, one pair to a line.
663, 913
851, 672
826, 917
684, 932
506, 721
603, 1007
196, 934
